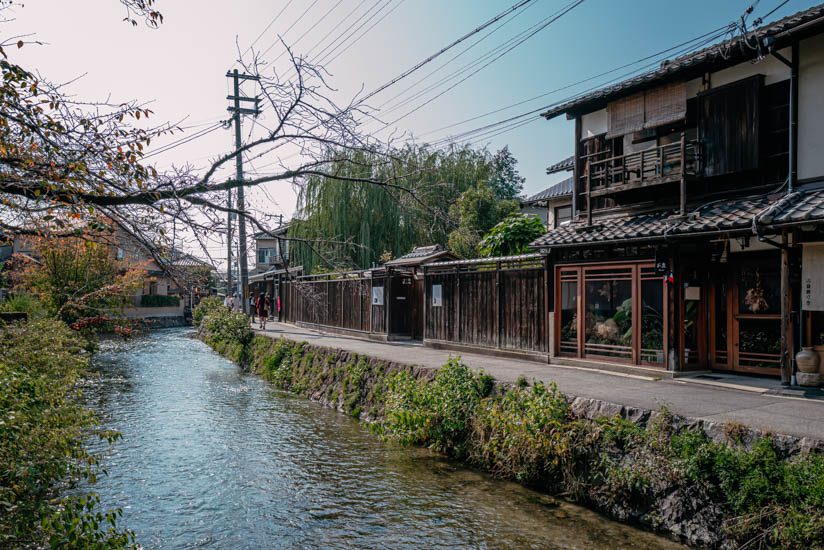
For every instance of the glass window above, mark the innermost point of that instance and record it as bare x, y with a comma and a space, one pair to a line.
759, 291
569, 316
563, 215
652, 321
609, 313
119, 253
759, 342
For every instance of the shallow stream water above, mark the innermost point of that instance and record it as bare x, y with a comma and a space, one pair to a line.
212, 457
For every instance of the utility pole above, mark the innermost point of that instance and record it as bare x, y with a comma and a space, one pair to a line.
236, 98
229, 243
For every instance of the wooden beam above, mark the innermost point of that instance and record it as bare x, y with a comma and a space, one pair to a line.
786, 360
683, 174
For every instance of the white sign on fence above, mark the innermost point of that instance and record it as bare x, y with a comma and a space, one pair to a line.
377, 295
437, 295
812, 277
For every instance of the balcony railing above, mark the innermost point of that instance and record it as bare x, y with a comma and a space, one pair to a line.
603, 174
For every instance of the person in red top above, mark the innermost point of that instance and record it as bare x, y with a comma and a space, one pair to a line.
267, 307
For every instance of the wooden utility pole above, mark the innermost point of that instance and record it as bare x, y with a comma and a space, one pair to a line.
241, 202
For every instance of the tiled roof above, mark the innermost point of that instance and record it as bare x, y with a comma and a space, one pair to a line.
420, 254
716, 217
725, 53
563, 166
557, 191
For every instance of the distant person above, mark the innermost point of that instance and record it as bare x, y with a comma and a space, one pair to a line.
267, 307
260, 304
252, 307
227, 301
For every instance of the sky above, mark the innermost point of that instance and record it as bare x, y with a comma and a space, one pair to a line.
179, 69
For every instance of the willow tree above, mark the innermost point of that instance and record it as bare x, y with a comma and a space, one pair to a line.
350, 224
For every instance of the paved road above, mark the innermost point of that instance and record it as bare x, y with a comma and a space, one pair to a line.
786, 415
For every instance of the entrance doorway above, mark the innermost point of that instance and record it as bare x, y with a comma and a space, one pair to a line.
745, 321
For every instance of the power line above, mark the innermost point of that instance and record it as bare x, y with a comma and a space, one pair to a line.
446, 48
713, 34
292, 26
364, 33
184, 140
323, 59
272, 22
430, 73
563, 12
512, 122
307, 31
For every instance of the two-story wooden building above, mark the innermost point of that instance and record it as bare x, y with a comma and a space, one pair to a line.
698, 194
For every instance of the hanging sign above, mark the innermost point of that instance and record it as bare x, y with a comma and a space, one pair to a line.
660, 262
377, 295
812, 277
437, 295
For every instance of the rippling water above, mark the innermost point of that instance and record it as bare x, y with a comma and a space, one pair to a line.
215, 458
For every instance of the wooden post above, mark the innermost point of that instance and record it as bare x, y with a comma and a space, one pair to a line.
371, 318
786, 360
589, 195
387, 299
500, 304
425, 304
458, 305
671, 336
546, 303
683, 175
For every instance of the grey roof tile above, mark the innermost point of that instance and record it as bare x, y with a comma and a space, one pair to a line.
557, 191
719, 216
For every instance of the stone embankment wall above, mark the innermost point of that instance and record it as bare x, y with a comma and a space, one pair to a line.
675, 476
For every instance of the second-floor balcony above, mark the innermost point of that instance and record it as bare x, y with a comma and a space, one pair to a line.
604, 173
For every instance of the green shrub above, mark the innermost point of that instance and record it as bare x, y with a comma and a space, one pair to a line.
43, 435
157, 300
204, 308
20, 302
436, 414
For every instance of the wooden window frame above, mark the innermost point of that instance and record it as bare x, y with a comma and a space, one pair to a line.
580, 271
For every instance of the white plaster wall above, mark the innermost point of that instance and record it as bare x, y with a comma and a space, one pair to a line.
593, 124
772, 69
811, 108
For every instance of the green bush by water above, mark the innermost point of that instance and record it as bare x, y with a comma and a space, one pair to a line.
43, 435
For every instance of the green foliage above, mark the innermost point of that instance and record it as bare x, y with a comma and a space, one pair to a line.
156, 300
23, 303
526, 434
436, 414
505, 181
43, 434
476, 211
79, 278
206, 306
229, 333
353, 224
512, 236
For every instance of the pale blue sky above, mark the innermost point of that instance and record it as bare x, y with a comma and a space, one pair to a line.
181, 66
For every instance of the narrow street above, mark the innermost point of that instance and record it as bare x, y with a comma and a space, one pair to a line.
699, 398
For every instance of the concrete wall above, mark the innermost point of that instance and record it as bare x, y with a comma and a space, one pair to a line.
533, 210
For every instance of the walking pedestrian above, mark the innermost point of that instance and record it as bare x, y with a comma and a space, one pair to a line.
252, 307
259, 305
267, 305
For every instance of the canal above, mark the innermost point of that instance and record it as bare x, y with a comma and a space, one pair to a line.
212, 457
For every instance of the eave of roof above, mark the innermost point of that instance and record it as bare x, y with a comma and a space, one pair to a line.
560, 190
732, 216
564, 166
784, 32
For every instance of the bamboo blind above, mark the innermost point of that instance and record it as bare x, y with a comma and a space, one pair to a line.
649, 109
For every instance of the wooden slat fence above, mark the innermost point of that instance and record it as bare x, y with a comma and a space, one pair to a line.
493, 304
337, 300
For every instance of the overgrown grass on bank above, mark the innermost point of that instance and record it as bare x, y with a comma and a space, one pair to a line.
656, 475
43, 437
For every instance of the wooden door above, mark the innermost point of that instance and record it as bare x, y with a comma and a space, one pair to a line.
400, 300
